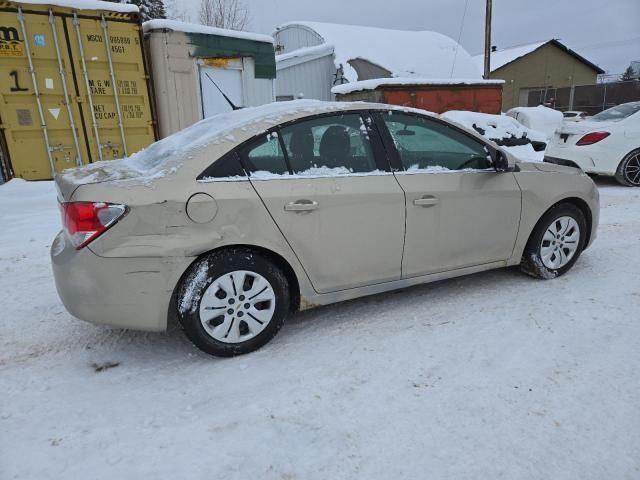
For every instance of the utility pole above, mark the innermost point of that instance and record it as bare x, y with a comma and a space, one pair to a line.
487, 40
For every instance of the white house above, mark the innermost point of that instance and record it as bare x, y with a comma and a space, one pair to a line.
313, 57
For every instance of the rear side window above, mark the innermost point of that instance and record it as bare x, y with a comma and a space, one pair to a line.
423, 144
337, 144
265, 156
226, 167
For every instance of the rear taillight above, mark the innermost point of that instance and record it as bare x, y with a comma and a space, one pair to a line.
593, 137
86, 221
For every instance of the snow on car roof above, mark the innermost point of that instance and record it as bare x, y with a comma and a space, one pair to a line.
83, 5
186, 27
377, 82
404, 53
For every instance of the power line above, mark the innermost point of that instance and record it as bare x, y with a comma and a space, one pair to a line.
455, 54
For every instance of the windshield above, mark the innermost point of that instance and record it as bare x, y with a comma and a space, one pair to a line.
619, 112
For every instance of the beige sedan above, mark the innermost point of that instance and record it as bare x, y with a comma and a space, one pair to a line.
238, 221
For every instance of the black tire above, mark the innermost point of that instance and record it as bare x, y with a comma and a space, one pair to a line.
628, 172
532, 263
208, 269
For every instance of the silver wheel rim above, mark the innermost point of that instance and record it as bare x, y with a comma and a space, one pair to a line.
560, 242
237, 306
632, 170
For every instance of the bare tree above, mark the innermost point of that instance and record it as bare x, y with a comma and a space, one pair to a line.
176, 11
231, 14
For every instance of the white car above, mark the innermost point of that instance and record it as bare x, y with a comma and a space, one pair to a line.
574, 116
606, 144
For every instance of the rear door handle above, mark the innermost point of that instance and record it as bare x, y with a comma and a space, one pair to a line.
301, 206
426, 201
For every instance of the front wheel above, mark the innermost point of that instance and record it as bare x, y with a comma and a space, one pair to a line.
628, 173
556, 242
232, 302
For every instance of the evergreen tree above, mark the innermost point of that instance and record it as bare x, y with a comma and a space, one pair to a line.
628, 74
158, 10
149, 9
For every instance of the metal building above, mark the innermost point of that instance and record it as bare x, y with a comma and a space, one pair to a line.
200, 71
313, 57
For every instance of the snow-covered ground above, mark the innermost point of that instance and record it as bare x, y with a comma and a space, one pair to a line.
496, 375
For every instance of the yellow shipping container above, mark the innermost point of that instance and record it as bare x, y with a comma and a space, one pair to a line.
58, 66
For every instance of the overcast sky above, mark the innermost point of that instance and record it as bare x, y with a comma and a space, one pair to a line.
605, 32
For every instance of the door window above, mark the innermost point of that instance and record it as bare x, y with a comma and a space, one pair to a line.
333, 145
426, 145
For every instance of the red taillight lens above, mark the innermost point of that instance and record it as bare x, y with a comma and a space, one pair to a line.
86, 221
593, 137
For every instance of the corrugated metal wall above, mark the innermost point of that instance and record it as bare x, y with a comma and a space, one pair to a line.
257, 91
312, 79
295, 37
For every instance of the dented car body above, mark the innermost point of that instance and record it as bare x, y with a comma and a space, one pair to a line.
333, 231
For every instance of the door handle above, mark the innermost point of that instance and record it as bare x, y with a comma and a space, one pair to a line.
426, 201
301, 206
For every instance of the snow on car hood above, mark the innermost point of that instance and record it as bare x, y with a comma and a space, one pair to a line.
166, 156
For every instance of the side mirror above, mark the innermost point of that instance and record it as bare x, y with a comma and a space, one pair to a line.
503, 161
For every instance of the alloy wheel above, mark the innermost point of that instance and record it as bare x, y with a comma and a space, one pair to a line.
632, 170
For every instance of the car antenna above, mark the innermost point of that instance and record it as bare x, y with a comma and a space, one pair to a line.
234, 107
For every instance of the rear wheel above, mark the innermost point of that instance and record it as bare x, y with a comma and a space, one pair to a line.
556, 242
628, 173
232, 302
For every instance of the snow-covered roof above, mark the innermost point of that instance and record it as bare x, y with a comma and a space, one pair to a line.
403, 81
318, 50
84, 5
186, 27
404, 53
502, 57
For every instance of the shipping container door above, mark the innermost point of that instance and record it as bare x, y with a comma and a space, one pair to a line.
34, 150
218, 80
118, 121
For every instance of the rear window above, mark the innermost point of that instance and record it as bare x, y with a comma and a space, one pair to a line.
619, 112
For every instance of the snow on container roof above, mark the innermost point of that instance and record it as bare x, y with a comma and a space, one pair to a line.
84, 5
502, 57
406, 81
185, 27
404, 53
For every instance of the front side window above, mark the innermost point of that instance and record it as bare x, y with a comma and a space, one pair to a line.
424, 144
264, 157
337, 144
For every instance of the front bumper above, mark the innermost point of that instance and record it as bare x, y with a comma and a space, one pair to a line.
129, 293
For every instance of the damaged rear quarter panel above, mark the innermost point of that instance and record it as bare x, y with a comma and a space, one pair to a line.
157, 224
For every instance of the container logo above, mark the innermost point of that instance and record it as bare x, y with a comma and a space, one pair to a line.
10, 43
